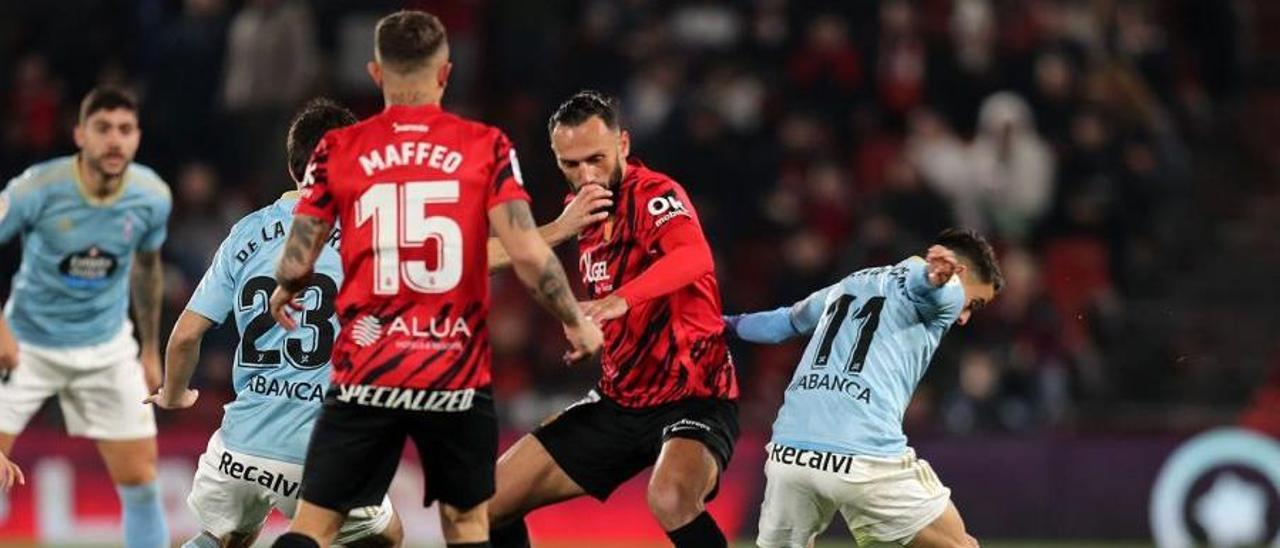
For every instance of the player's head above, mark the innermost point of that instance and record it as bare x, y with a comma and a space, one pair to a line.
315, 119
411, 54
979, 272
591, 148
107, 132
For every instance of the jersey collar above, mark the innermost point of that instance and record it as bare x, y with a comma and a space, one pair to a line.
84, 190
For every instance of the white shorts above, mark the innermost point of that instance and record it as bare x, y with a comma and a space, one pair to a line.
233, 493
883, 500
99, 387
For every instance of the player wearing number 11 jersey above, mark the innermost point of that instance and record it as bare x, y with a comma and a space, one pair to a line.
838, 443
416, 191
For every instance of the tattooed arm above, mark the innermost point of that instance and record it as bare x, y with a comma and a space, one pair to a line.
306, 239
542, 274
146, 289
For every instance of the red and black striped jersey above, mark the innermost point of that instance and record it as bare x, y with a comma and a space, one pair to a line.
410, 189
666, 348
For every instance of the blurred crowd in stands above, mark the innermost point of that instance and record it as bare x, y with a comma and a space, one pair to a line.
815, 138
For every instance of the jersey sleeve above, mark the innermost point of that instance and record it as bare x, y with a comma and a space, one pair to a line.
664, 206
215, 296
939, 306
158, 226
20, 203
806, 313
317, 199
507, 183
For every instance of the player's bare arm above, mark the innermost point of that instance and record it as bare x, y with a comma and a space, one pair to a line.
587, 208
306, 238
180, 358
8, 350
146, 288
686, 257
542, 274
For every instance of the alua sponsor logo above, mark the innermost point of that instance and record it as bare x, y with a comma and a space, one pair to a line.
369, 329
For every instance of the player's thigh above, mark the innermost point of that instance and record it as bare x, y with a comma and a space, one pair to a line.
793, 511
105, 403
230, 508
352, 457
528, 478
464, 525
889, 499
30, 384
947, 531
698, 438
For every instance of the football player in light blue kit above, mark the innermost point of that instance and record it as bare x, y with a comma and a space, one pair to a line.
837, 442
91, 225
254, 462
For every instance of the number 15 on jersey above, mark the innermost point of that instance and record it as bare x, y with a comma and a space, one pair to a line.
399, 216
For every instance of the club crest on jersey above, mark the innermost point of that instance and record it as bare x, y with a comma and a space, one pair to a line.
666, 207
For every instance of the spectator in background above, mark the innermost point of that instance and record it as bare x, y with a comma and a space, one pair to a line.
183, 86
34, 125
900, 59
272, 62
1012, 167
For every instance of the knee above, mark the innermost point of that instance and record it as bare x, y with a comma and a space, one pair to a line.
672, 503
464, 525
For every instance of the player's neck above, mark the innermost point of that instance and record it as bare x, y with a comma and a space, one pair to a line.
411, 96
97, 184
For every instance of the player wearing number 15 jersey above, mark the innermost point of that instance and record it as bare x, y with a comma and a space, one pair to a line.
416, 191
838, 443
254, 462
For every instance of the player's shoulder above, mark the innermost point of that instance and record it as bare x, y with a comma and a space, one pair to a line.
149, 183
648, 181
44, 174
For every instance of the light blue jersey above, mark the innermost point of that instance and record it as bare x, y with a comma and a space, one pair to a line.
874, 333
279, 376
72, 288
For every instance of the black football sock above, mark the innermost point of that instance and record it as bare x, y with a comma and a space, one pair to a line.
483, 544
511, 535
702, 532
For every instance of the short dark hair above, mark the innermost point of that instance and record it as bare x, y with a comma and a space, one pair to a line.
975, 249
315, 119
106, 98
407, 39
582, 106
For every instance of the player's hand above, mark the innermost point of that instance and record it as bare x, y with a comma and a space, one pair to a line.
585, 341
177, 400
10, 474
282, 306
151, 369
8, 351
943, 264
602, 310
588, 207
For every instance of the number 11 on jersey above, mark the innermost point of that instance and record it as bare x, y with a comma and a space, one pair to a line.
399, 216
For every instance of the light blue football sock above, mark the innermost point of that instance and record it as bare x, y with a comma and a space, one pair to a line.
144, 523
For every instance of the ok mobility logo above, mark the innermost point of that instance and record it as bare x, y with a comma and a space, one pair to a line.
1221, 488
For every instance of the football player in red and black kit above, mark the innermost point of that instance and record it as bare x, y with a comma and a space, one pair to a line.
667, 396
415, 191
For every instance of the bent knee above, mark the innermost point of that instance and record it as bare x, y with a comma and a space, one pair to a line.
673, 504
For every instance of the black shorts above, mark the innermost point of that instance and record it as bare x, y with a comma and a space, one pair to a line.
601, 444
355, 450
